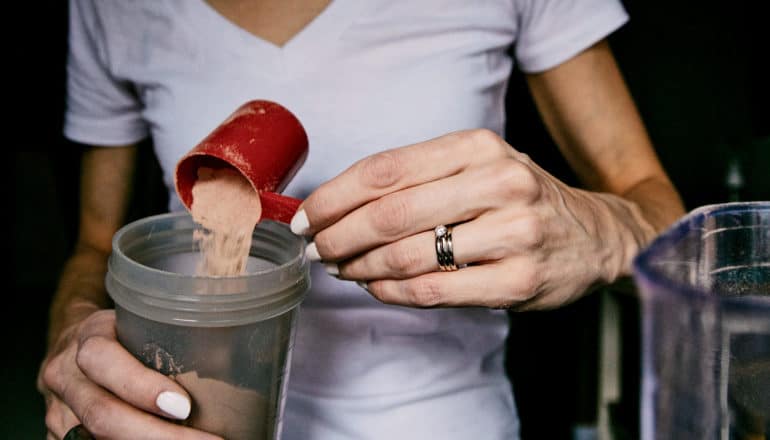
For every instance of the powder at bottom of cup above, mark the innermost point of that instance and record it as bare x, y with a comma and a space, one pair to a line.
221, 408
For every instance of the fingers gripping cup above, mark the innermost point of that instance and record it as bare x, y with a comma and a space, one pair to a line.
224, 336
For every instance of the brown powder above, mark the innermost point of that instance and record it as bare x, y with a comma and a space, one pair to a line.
232, 412
228, 208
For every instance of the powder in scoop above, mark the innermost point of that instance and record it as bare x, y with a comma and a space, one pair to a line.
228, 208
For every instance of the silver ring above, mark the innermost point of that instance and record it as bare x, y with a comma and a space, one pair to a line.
444, 251
78, 432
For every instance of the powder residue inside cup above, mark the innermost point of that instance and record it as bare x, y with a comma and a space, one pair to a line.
228, 208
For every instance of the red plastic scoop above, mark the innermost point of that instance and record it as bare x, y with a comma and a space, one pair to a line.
265, 142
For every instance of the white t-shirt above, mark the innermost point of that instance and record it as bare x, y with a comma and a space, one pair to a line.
364, 76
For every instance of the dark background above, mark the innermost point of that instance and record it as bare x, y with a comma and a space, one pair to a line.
696, 70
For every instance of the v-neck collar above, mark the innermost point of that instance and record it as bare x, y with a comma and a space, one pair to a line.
308, 46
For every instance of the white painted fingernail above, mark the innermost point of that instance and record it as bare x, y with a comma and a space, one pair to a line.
363, 285
312, 252
173, 404
299, 223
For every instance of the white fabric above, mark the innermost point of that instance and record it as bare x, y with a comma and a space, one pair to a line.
362, 77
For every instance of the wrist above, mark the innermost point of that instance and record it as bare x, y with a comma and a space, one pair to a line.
66, 318
625, 231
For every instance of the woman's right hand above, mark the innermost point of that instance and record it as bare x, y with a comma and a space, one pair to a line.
88, 378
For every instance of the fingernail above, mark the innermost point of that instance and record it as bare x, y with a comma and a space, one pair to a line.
332, 269
173, 404
363, 285
312, 252
299, 223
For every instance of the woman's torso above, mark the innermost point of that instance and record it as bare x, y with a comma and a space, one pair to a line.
362, 77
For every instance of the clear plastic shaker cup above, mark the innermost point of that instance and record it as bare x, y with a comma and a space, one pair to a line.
226, 340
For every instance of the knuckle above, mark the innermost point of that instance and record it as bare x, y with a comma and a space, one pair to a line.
384, 291
379, 294
382, 169
484, 137
319, 205
101, 315
516, 180
530, 183
424, 292
402, 259
390, 215
96, 416
51, 417
518, 295
531, 235
326, 247
486, 140
524, 158
527, 283
50, 374
89, 349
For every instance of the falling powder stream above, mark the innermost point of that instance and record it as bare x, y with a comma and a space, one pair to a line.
228, 208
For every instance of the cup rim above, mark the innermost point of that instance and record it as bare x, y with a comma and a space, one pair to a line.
205, 300
645, 271
181, 215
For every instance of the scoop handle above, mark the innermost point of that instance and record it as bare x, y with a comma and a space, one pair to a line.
278, 207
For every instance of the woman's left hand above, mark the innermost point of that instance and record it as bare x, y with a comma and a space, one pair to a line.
524, 239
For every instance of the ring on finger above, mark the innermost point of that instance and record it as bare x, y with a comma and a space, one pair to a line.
444, 248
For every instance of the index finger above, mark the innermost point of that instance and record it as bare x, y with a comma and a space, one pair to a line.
104, 361
393, 170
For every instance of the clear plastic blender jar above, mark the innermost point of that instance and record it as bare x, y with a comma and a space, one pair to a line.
705, 288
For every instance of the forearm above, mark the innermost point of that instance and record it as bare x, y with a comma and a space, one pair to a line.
104, 194
80, 292
658, 201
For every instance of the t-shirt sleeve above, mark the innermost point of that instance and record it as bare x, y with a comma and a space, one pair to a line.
550, 32
101, 109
